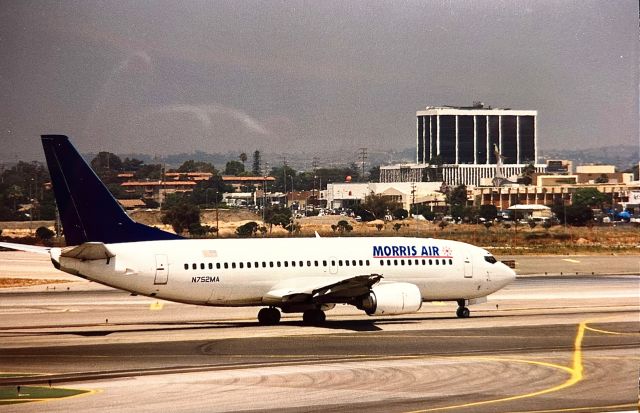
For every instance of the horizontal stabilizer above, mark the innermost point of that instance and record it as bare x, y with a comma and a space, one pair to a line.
24, 247
88, 251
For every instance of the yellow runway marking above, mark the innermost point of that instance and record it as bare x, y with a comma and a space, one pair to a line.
570, 260
156, 306
575, 372
581, 409
618, 333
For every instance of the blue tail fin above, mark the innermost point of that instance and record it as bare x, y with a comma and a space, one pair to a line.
88, 211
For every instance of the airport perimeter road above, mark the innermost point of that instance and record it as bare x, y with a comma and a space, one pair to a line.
541, 344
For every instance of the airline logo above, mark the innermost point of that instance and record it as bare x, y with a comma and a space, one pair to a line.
411, 251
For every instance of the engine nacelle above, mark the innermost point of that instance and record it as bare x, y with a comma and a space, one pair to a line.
392, 299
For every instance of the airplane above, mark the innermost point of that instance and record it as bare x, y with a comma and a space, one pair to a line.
378, 275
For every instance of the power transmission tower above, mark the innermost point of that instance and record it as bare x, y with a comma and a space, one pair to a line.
363, 158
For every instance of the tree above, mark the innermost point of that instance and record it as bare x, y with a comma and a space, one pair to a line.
576, 215
247, 230
279, 173
488, 212
400, 213
210, 191
234, 168
106, 162
589, 197
344, 226
427, 213
377, 205
526, 177
182, 216
256, 169
457, 199
196, 166
243, 159
602, 179
44, 234
277, 215
374, 174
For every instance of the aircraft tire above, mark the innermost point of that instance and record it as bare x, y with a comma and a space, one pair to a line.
269, 316
463, 312
314, 317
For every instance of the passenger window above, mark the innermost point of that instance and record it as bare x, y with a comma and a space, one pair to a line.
264, 264
210, 265
226, 265
257, 264
278, 264
408, 262
340, 263
388, 262
316, 263
333, 262
382, 263
346, 263
450, 261
302, 263
233, 265
186, 266
241, 265
293, 263
217, 265
308, 263
395, 262
248, 265
437, 262
271, 264
430, 262
286, 263
368, 263
194, 266
324, 263
360, 262
417, 262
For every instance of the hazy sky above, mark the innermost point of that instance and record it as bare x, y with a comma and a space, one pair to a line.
164, 77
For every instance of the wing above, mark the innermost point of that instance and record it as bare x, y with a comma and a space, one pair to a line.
320, 290
24, 247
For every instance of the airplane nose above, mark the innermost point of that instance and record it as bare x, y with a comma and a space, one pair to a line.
509, 274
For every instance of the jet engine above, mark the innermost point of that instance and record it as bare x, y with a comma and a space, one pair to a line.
392, 299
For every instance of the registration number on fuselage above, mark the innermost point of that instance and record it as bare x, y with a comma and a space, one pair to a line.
205, 279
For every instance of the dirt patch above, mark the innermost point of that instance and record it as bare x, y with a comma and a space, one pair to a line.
26, 282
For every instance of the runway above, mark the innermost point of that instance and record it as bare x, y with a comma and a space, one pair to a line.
561, 343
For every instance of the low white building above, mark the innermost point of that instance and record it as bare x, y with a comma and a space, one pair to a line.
346, 195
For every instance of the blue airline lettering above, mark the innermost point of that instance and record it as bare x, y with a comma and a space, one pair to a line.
405, 251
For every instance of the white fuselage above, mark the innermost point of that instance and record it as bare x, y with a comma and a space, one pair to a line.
240, 272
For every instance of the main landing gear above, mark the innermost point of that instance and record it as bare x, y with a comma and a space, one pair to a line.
462, 311
313, 317
269, 316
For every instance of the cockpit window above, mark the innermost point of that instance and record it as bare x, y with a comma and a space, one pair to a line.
490, 259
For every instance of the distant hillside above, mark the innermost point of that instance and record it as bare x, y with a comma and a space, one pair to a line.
623, 156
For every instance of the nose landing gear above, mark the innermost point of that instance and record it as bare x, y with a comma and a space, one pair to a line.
462, 311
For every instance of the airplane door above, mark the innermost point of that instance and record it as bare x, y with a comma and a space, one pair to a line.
468, 267
162, 270
333, 266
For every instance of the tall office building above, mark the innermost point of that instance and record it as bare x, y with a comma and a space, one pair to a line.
467, 135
